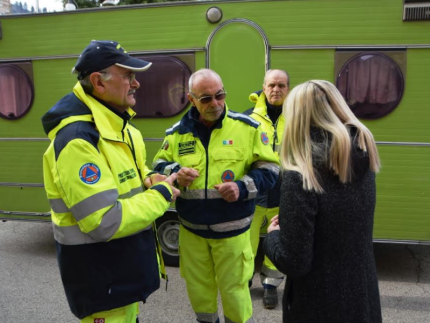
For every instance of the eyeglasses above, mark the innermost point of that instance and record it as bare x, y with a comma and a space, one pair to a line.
209, 98
131, 76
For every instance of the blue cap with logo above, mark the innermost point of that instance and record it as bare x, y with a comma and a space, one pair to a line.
101, 54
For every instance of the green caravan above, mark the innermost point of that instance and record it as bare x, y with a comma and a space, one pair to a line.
377, 52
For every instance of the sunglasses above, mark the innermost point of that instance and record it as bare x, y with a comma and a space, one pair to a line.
207, 99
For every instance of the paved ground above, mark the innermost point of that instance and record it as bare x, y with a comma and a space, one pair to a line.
31, 290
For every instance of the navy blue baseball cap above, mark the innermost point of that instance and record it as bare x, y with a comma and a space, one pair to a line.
101, 54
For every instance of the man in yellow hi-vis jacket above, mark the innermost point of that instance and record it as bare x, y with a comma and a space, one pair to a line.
223, 160
268, 111
95, 178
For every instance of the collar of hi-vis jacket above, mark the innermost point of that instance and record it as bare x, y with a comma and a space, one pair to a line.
108, 123
259, 98
190, 120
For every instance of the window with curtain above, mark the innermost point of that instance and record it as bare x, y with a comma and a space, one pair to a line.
163, 87
372, 84
16, 90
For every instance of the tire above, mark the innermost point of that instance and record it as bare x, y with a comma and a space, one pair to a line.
168, 236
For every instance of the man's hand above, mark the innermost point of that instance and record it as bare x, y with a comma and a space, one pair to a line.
153, 179
186, 176
274, 224
169, 180
229, 191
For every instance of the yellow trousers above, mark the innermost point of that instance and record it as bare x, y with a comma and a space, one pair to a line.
209, 265
125, 314
261, 221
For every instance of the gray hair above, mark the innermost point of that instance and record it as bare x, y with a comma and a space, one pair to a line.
86, 84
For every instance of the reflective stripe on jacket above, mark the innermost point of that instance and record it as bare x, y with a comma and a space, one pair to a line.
237, 151
101, 214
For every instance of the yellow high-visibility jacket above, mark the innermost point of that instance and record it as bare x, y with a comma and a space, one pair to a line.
259, 113
236, 149
275, 132
101, 214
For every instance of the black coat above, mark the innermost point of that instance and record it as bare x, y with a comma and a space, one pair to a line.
325, 248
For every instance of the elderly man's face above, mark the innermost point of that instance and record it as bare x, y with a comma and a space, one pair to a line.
120, 88
276, 87
209, 86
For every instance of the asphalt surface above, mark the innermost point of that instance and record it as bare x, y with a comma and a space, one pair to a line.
31, 290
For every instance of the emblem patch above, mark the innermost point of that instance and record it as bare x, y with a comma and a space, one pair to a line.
227, 176
90, 173
99, 321
264, 138
165, 145
187, 147
227, 142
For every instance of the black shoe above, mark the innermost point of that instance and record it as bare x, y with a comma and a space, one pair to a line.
270, 298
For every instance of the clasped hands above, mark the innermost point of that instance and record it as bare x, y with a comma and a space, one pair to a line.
156, 178
229, 191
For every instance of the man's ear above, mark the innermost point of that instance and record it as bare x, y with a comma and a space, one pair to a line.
97, 83
191, 98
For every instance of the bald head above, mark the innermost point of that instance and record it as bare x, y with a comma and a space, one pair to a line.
202, 75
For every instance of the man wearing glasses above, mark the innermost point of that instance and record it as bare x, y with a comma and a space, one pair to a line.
223, 160
94, 173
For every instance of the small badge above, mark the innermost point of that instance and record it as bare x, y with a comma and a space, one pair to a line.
90, 173
264, 138
227, 142
227, 176
165, 145
99, 321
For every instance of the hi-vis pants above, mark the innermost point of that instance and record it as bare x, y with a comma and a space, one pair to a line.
209, 265
125, 314
269, 274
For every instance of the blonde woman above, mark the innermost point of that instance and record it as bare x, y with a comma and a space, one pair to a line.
322, 238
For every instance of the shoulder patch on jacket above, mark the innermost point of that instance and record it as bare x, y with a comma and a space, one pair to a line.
243, 118
173, 129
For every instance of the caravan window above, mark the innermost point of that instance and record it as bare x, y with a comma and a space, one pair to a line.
16, 90
163, 87
372, 84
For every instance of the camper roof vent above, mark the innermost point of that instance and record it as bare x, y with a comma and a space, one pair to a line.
416, 11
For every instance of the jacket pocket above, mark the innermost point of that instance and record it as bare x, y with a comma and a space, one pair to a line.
228, 155
248, 264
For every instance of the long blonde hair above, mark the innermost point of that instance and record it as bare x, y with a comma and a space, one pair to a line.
319, 104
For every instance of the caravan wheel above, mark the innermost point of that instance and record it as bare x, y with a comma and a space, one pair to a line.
168, 236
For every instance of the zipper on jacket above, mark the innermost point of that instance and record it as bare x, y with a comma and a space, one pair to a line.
275, 135
134, 154
207, 170
207, 173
